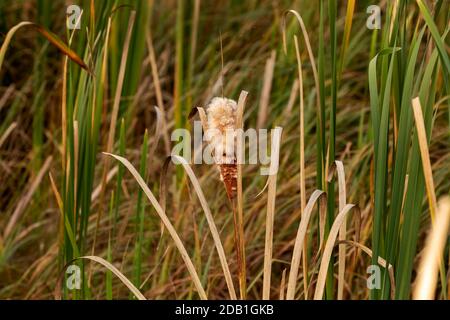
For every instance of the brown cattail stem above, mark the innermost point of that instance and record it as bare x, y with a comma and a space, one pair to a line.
239, 247
239, 203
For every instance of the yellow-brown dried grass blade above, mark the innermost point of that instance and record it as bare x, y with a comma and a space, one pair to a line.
346, 36
268, 247
310, 53
299, 240
382, 262
75, 157
25, 200
292, 97
7, 132
51, 37
56, 193
92, 19
173, 233
63, 221
405, 191
395, 7
302, 162
424, 154
283, 284
427, 274
201, 112
328, 250
240, 214
208, 215
109, 266
6, 95
193, 50
265, 94
60, 207
271, 196
158, 130
64, 115
158, 91
338, 167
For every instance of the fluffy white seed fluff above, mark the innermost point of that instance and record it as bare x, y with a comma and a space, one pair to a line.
221, 113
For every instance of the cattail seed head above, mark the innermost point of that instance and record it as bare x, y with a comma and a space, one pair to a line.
221, 117
221, 114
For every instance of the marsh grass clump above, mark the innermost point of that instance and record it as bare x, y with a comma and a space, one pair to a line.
77, 117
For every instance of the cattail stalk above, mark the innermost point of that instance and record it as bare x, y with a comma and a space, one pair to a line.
220, 123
